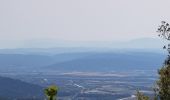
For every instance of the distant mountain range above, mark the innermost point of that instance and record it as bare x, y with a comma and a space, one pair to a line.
42, 47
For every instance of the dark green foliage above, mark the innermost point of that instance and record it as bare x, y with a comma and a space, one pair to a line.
51, 92
164, 83
141, 96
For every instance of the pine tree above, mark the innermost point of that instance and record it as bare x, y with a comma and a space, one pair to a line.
162, 89
163, 82
51, 92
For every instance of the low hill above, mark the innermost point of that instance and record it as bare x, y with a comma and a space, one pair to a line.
11, 89
33, 61
111, 62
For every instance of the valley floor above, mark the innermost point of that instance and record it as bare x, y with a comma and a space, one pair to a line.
92, 85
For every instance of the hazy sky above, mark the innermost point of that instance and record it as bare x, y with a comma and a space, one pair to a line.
80, 20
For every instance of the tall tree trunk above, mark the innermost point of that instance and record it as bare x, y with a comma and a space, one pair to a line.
51, 97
